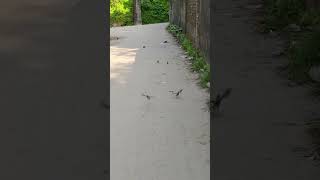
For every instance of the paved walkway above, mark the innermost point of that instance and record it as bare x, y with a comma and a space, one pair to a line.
164, 137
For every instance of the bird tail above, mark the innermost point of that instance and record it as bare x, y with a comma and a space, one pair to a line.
226, 93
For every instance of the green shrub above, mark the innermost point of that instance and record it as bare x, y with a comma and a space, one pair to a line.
307, 51
304, 54
310, 18
280, 13
153, 11
121, 12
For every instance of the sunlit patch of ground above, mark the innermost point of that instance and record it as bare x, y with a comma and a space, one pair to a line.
121, 61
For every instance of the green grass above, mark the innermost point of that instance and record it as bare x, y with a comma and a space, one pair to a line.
198, 62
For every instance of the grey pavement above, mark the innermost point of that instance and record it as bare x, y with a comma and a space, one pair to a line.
163, 137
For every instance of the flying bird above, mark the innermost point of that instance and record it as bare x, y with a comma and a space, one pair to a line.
217, 101
104, 104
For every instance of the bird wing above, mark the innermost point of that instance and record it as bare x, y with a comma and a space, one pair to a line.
226, 93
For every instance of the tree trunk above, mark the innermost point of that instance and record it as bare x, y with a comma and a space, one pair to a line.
137, 20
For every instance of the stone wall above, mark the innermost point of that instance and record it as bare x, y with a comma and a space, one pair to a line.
193, 16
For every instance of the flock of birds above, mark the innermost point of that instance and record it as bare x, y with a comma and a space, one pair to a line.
177, 93
214, 103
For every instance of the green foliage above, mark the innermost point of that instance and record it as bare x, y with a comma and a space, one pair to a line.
198, 62
307, 51
305, 47
310, 18
121, 12
304, 50
280, 13
153, 11
304, 54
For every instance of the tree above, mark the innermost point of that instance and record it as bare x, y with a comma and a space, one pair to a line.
137, 20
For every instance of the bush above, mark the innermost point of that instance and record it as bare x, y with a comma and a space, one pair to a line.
310, 18
280, 13
304, 54
307, 51
121, 12
153, 11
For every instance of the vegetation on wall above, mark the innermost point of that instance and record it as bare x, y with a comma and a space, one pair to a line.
153, 11
198, 62
280, 13
304, 53
302, 27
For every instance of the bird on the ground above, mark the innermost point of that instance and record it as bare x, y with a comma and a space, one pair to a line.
147, 96
177, 93
167, 62
165, 41
217, 101
157, 61
143, 46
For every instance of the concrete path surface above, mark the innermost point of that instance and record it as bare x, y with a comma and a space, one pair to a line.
164, 137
